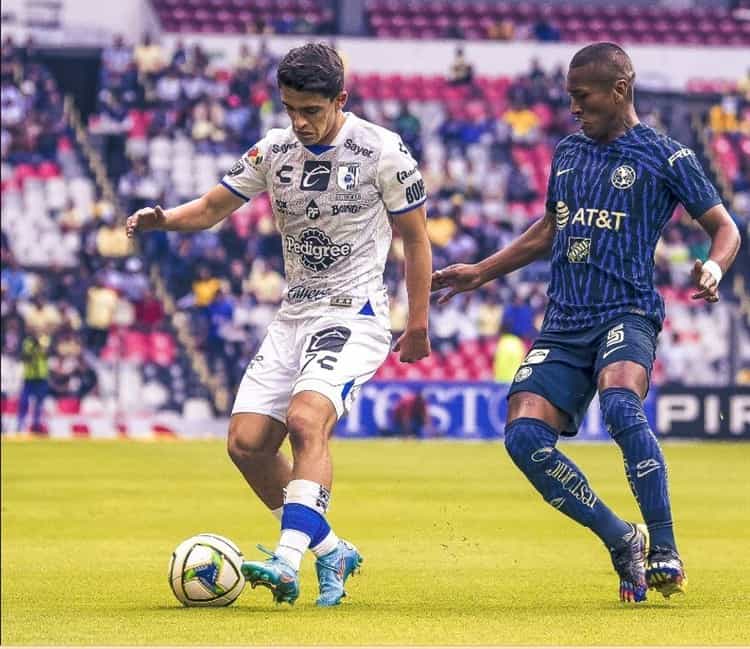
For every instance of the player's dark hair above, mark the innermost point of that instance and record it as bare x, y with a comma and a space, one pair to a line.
314, 67
612, 61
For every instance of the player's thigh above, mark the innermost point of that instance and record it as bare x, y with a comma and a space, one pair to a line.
266, 385
626, 354
337, 356
555, 384
253, 433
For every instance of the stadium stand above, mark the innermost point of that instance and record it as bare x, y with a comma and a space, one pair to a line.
173, 326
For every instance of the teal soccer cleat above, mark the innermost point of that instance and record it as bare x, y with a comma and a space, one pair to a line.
275, 574
333, 570
665, 572
630, 564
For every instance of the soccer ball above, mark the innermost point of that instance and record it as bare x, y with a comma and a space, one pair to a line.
205, 571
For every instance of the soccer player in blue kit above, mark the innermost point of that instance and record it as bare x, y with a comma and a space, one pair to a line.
613, 186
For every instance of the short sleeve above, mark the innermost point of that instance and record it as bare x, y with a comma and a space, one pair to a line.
686, 179
551, 202
247, 177
399, 180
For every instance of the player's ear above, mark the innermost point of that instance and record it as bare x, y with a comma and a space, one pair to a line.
341, 100
620, 91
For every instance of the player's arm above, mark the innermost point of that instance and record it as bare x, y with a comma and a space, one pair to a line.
412, 226
200, 214
535, 243
725, 243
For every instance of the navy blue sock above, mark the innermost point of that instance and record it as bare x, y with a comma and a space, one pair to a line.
305, 520
645, 468
531, 445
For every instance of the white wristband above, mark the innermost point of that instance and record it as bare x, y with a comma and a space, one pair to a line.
712, 267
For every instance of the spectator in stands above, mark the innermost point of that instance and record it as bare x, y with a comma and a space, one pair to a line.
545, 31
461, 71
410, 416
149, 58
35, 378
149, 313
110, 241
40, 315
100, 311
523, 122
205, 287
509, 354
117, 59
408, 126
138, 187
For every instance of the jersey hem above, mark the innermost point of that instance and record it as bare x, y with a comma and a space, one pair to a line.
234, 191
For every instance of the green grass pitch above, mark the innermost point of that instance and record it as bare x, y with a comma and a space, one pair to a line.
458, 548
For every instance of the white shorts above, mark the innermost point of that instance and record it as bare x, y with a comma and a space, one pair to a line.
329, 354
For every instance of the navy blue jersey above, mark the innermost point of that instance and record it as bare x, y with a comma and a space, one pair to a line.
611, 203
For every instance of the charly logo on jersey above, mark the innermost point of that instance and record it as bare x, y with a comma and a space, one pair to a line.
316, 250
284, 174
357, 149
579, 249
254, 156
623, 177
347, 175
315, 175
562, 214
312, 211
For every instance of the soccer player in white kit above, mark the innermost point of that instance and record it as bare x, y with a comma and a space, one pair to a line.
336, 184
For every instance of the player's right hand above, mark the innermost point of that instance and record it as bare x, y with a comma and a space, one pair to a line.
148, 218
458, 277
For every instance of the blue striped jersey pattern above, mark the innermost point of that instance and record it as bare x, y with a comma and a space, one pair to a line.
611, 202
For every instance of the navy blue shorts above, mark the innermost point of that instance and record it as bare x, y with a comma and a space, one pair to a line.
563, 366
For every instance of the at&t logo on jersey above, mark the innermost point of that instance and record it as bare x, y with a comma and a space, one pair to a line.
316, 250
315, 175
592, 217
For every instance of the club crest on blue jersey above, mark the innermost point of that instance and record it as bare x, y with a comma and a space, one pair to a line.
623, 177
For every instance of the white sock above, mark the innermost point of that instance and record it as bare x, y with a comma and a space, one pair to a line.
292, 546
278, 513
308, 493
328, 544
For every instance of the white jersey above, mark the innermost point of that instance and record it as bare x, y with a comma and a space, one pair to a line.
332, 206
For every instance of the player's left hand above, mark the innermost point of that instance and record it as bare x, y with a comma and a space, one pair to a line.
705, 282
413, 345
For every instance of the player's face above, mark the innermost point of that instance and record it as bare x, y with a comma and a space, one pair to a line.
314, 117
594, 102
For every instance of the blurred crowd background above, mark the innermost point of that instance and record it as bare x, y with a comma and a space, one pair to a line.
92, 323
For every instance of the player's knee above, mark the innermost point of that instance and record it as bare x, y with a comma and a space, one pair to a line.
243, 445
622, 411
306, 429
529, 442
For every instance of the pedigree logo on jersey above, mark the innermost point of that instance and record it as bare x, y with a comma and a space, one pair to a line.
315, 176
316, 250
254, 156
